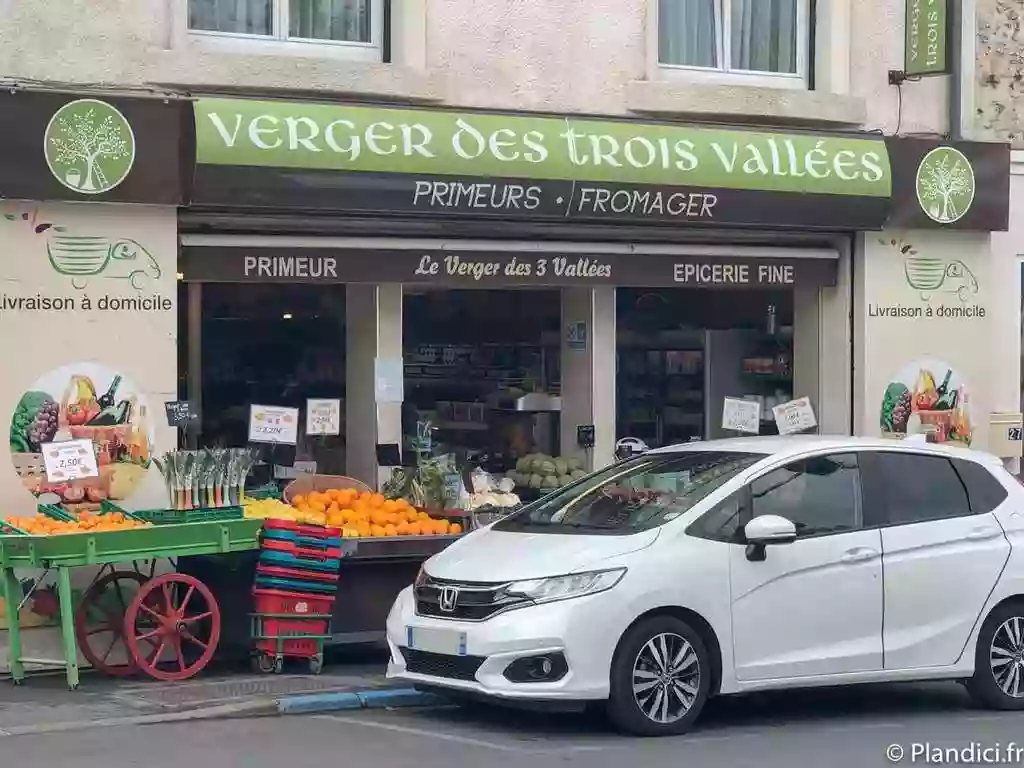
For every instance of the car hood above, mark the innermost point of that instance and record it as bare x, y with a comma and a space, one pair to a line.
489, 555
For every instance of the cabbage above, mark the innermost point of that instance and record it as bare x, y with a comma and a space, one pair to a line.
577, 474
536, 481
523, 465
564, 479
549, 482
561, 466
547, 469
574, 464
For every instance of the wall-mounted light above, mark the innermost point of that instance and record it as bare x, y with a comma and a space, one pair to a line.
286, 316
180, 275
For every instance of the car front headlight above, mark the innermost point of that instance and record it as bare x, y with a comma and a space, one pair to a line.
565, 587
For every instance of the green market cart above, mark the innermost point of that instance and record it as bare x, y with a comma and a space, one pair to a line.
168, 625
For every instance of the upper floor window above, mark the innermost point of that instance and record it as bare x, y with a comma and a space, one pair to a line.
762, 39
352, 25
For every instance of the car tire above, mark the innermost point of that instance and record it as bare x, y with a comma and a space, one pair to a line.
999, 684
649, 698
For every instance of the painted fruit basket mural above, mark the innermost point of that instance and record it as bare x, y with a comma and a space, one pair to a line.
83, 401
927, 397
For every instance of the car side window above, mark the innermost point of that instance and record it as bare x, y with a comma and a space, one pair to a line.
819, 495
720, 523
916, 488
983, 490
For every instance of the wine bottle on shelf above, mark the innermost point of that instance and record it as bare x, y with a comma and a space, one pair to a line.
106, 400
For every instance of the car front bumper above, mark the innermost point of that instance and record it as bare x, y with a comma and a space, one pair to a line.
580, 629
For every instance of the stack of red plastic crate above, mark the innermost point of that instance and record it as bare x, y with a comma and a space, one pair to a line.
296, 583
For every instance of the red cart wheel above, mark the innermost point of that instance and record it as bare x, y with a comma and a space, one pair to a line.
99, 621
174, 612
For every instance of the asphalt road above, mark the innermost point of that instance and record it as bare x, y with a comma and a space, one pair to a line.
852, 728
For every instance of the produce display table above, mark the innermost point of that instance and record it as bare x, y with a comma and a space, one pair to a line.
155, 597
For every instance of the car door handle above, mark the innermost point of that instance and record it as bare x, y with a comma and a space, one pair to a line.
858, 555
982, 533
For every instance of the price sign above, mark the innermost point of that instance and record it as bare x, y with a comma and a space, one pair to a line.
795, 416
323, 417
181, 414
273, 424
452, 488
1014, 434
70, 460
389, 380
741, 415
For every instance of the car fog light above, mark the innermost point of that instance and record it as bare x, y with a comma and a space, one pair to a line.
544, 668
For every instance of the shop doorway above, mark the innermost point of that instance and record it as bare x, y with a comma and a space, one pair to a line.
482, 368
681, 351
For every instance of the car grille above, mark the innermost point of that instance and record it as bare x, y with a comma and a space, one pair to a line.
441, 665
474, 601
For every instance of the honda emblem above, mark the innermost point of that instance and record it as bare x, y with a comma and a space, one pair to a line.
448, 598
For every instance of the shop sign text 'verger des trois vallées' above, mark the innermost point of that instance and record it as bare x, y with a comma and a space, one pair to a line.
331, 157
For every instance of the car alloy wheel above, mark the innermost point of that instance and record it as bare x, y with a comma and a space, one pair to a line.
1006, 657
666, 678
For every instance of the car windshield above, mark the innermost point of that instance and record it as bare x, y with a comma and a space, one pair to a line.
634, 495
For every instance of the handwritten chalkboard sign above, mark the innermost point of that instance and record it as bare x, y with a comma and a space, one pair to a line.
181, 414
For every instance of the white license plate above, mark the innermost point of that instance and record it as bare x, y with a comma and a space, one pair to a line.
446, 641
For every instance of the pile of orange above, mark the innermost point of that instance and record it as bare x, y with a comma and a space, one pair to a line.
366, 514
87, 522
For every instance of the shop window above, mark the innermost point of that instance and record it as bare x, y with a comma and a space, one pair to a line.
761, 42
681, 351
350, 28
272, 345
471, 356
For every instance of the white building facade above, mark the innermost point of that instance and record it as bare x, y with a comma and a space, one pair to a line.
792, 68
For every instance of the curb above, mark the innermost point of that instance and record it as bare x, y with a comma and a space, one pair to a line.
350, 700
255, 708
330, 701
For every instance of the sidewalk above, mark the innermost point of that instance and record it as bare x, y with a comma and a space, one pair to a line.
44, 704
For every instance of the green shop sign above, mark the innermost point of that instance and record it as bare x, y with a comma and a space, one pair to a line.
926, 50
330, 137
363, 158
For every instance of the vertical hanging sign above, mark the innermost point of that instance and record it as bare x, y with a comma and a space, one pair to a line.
927, 28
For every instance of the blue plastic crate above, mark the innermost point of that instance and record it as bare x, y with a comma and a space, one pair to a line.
294, 585
284, 560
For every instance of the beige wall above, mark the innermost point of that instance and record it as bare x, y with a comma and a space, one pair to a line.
43, 347
918, 337
596, 56
141, 345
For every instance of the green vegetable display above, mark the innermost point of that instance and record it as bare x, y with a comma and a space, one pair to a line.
546, 472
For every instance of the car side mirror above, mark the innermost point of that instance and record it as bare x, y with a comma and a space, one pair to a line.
765, 530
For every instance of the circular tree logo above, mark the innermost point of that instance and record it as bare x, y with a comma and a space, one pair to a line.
945, 185
89, 146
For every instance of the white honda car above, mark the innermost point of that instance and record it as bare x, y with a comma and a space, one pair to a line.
731, 566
